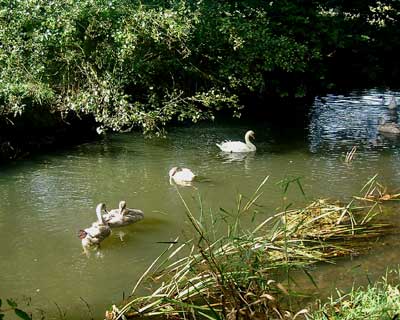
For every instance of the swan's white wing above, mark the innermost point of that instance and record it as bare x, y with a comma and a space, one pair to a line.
99, 231
134, 215
184, 175
130, 216
112, 214
225, 146
92, 231
115, 220
234, 146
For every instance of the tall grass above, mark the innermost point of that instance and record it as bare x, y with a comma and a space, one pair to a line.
235, 275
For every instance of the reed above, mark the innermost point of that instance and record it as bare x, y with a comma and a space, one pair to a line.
375, 191
234, 276
350, 155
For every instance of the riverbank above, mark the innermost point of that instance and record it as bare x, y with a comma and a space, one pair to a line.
379, 300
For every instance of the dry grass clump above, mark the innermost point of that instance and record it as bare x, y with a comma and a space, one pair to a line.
326, 221
377, 192
234, 276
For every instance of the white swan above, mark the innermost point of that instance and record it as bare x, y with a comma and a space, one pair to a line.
92, 236
238, 146
392, 104
388, 127
122, 216
182, 176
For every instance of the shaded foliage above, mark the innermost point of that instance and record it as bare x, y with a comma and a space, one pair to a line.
145, 64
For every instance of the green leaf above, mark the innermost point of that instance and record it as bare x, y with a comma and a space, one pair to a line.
22, 314
1, 316
12, 303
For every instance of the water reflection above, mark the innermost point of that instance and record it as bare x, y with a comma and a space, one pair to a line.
228, 157
337, 122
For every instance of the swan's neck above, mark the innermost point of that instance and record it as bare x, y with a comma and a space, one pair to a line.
248, 142
99, 215
393, 102
122, 207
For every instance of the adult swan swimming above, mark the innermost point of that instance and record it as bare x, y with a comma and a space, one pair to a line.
238, 146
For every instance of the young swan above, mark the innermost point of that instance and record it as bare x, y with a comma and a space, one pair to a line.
238, 146
122, 216
388, 127
392, 104
94, 235
181, 176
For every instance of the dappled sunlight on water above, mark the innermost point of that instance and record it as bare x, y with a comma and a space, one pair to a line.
47, 199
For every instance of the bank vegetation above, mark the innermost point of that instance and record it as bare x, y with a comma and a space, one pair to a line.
247, 273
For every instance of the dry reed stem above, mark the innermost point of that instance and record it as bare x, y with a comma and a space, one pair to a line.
350, 155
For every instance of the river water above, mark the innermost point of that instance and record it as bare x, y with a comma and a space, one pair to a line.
45, 200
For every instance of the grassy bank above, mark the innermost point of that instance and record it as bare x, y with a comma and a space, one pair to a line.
378, 301
245, 273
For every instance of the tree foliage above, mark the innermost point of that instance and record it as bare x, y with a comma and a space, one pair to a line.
146, 63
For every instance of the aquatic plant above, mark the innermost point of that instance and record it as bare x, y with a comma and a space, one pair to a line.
350, 155
235, 275
375, 191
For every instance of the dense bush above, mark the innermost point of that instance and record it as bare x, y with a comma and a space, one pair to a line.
138, 63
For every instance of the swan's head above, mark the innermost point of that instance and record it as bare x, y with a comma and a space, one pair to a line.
101, 207
82, 234
250, 134
173, 171
381, 121
122, 205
